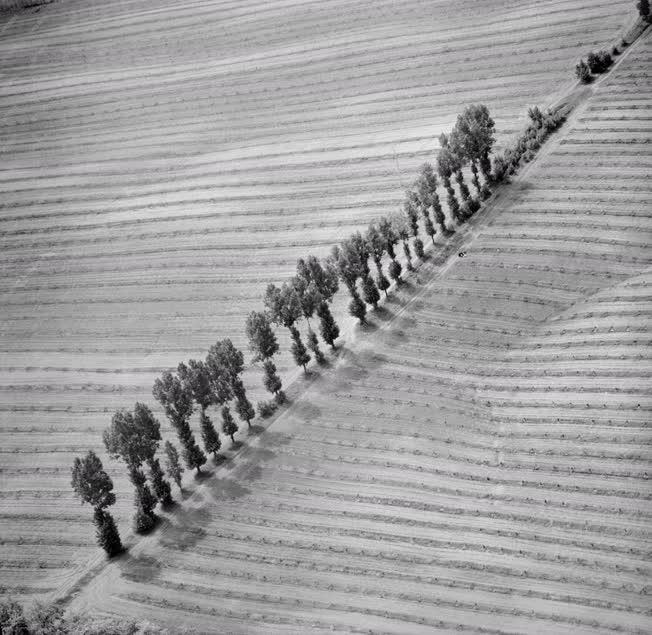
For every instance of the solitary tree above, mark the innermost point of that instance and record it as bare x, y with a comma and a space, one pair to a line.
328, 327
209, 435
94, 486
229, 426
299, 351
313, 345
172, 466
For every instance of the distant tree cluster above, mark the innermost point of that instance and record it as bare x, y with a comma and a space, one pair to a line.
595, 64
540, 126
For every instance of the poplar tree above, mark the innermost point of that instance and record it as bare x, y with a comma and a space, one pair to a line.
177, 401
229, 426
172, 465
210, 437
298, 349
94, 486
328, 327
313, 345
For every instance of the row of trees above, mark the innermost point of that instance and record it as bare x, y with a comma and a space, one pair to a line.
134, 436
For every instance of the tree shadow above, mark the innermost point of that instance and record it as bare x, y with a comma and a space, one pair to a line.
255, 430
138, 568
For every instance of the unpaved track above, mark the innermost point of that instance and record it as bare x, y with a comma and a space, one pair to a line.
482, 465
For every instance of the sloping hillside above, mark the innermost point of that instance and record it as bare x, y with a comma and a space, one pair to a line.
479, 458
160, 164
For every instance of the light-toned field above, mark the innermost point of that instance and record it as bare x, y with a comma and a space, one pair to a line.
157, 173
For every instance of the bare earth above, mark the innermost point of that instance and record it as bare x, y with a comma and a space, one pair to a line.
477, 458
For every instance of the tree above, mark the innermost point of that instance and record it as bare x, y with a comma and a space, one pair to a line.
388, 232
474, 132
382, 282
418, 248
429, 227
209, 435
395, 270
162, 488
94, 486
272, 381
456, 146
377, 244
370, 291
308, 294
582, 72
299, 351
411, 206
348, 265
243, 406
206, 387
357, 308
91, 483
426, 187
402, 230
262, 340
313, 345
446, 164
324, 277
229, 426
177, 401
362, 251
283, 304
328, 327
172, 466
106, 533
135, 443
643, 7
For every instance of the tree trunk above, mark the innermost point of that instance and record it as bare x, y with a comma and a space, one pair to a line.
232, 439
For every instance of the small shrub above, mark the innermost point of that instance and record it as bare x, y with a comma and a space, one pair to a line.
265, 409
485, 192
280, 397
615, 51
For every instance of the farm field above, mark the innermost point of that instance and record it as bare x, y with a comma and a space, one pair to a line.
478, 459
151, 190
